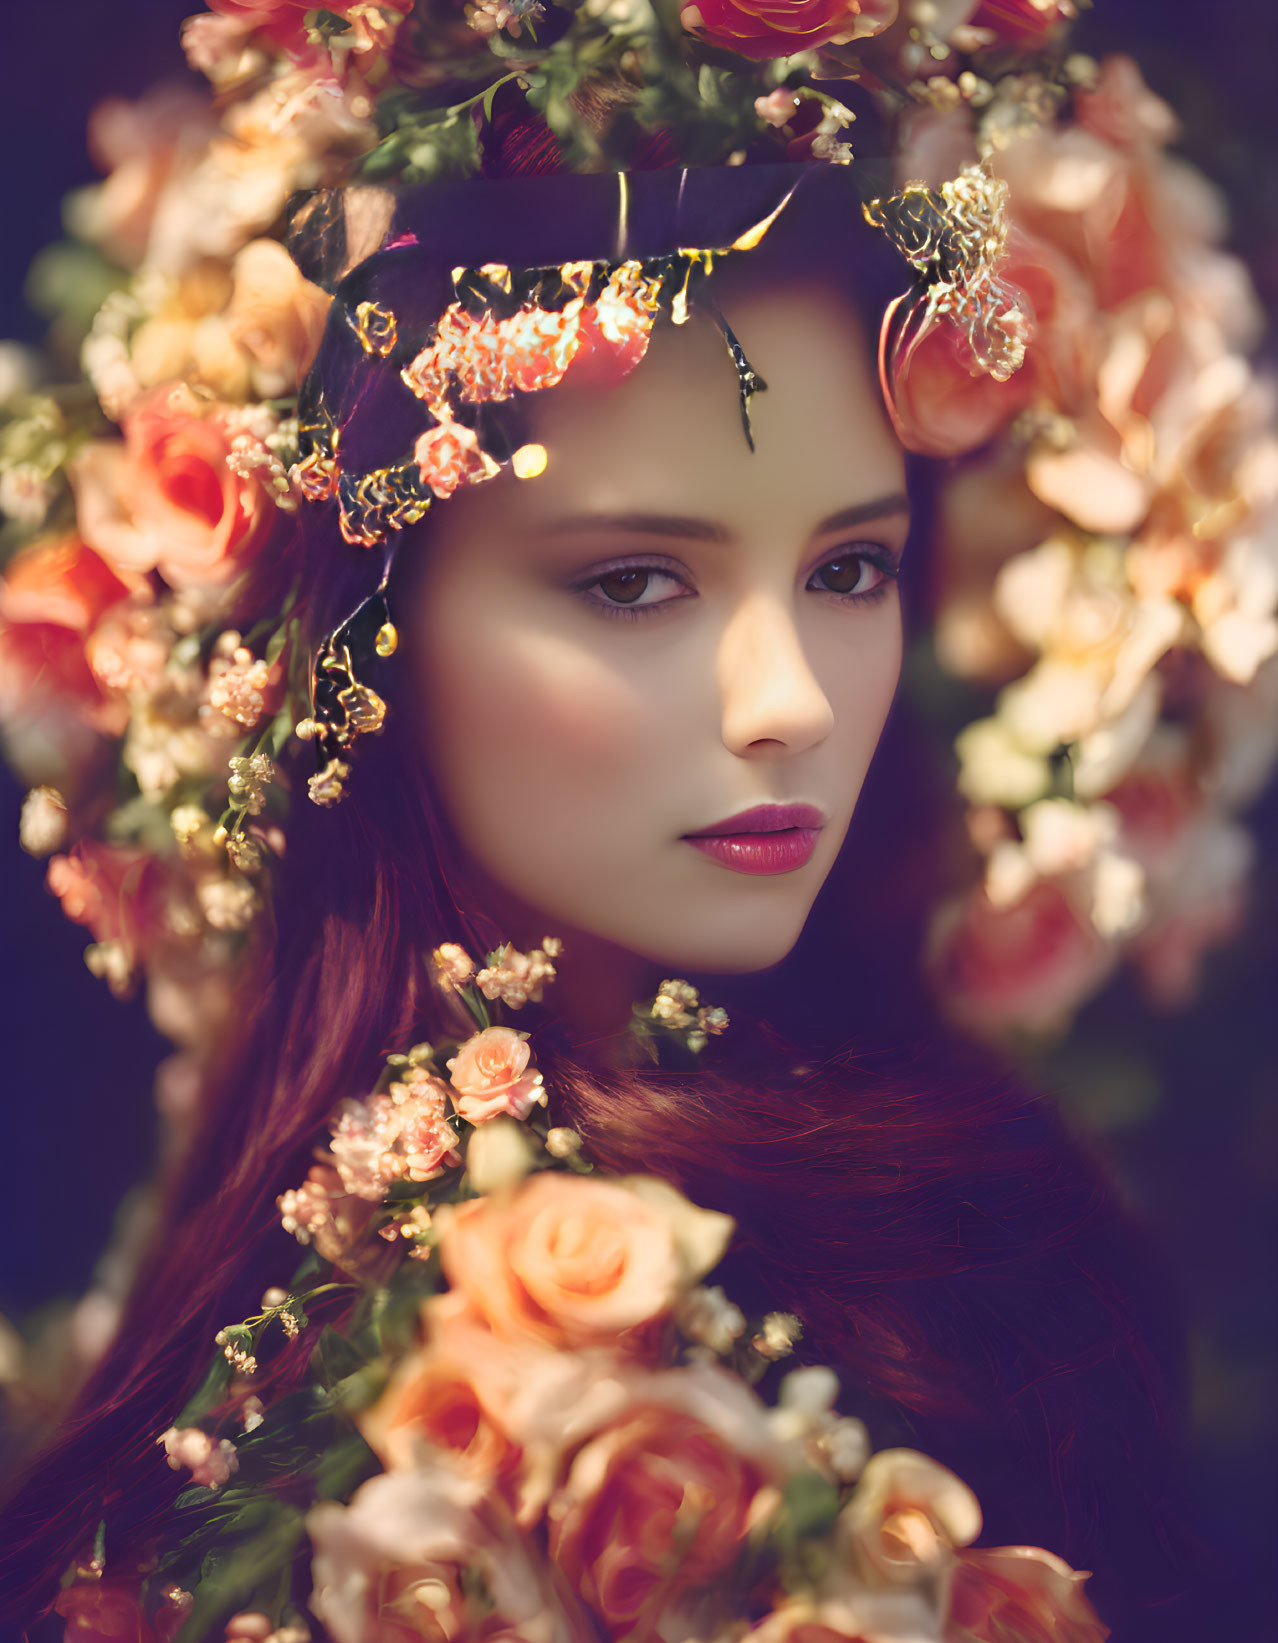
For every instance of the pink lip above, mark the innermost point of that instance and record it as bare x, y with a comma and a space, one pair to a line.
764, 818
771, 838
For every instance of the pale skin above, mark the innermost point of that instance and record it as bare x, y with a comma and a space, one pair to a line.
659, 631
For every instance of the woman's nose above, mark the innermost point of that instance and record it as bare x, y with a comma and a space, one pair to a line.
769, 692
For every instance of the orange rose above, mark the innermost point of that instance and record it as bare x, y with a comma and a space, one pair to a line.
663, 1499
61, 582
51, 706
167, 498
574, 1262
491, 1078
1023, 1593
778, 28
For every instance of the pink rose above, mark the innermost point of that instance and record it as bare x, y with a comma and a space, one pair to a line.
283, 21
117, 892
1122, 109
1019, 1592
939, 406
662, 1499
576, 1262
1021, 22
491, 1077
168, 498
104, 1611
432, 1557
779, 28
52, 710
1024, 966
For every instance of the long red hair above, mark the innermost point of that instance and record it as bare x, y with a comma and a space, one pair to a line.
949, 1247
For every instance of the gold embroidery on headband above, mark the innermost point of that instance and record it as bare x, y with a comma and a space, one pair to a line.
377, 329
387, 499
362, 710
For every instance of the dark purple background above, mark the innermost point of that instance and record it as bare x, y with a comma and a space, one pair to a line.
1203, 1168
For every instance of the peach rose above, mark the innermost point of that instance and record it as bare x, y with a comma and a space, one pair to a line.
778, 28
503, 1411
432, 1557
906, 1517
662, 1500
275, 317
1020, 1592
142, 146
167, 498
851, 1615
1025, 966
491, 1077
574, 1262
443, 1398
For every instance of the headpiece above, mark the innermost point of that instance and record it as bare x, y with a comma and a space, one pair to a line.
1091, 389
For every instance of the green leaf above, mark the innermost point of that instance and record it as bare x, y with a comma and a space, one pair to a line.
343, 1466
334, 1358
810, 1504
208, 1395
236, 1568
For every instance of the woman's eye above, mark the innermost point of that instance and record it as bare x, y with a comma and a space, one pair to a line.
854, 575
622, 591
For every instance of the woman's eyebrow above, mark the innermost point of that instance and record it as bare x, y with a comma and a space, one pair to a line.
707, 530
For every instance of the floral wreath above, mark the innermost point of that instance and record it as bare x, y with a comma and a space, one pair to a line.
1074, 348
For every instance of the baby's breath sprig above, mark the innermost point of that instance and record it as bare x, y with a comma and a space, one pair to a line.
239, 1342
676, 1018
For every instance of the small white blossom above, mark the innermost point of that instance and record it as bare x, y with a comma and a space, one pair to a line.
42, 827
707, 1315
777, 1337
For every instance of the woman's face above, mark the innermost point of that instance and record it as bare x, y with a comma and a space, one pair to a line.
665, 629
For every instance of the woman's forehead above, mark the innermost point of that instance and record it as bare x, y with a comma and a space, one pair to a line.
673, 429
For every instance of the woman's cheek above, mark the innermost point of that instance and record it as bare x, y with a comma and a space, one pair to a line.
531, 725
